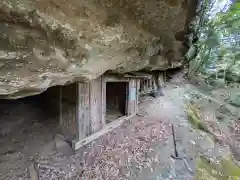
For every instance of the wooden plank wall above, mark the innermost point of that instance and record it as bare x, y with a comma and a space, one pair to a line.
83, 106
132, 97
83, 111
96, 105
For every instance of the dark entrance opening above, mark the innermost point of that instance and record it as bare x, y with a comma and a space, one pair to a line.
116, 100
27, 130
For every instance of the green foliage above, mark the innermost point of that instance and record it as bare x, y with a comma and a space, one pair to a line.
219, 42
195, 120
226, 169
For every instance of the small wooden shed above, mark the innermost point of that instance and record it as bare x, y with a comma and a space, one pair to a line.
90, 109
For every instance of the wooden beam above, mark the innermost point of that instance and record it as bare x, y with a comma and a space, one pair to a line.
127, 75
108, 128
135, 76
140, 75
108, 78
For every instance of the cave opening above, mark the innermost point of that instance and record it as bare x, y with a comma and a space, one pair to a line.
42, 109
116, 100
27, 129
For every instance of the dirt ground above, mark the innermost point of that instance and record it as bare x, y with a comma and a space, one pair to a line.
140, 149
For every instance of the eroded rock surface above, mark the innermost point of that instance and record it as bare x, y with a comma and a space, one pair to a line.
54, 42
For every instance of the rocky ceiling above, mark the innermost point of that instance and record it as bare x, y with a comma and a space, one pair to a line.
45, 43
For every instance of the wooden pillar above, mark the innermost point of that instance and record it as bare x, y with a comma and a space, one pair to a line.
144, 85
151, 84
132, 98
141, 85
162, 77
147, 85
138, 84
103, 103
83, 111
96, 104
154, 83
137, 95
157, 77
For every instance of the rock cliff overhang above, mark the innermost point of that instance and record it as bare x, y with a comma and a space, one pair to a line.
53, 42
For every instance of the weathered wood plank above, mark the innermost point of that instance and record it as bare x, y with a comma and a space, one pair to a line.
83, 114
115, 79
132, 98
108, 128
162, 78
141, 75
96, 104
104, 94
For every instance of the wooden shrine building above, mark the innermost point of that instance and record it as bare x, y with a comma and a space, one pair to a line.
87, 108
90, 109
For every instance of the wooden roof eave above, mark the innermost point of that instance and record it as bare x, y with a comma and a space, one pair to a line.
138, 75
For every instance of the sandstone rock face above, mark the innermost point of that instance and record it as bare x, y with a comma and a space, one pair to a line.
53, 42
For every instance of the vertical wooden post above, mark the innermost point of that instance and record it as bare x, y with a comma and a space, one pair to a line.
144, 88
96, 104
157, 75
141, 85
83, 111
153, 84
104, 94
148, 85
162, 77
145, 85
132, 97
137, 93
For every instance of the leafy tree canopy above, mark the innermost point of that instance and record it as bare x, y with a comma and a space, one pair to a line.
218, 45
